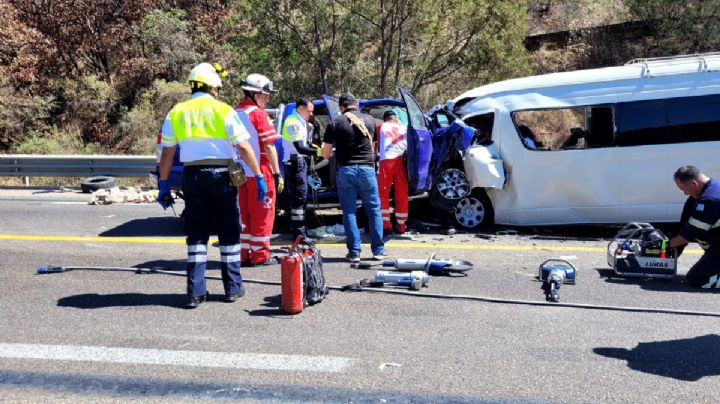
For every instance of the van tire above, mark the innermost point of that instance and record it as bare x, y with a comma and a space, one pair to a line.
92, 184
474, 211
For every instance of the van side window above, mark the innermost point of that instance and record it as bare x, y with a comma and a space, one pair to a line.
694, 119
673, 120
641, 123
552, 129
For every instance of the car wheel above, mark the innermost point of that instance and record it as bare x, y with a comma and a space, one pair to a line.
474, 211
452, 184
93, 184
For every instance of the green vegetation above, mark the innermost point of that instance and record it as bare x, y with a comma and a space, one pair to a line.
98, 77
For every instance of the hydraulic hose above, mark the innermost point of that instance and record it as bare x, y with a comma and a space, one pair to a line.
57, 269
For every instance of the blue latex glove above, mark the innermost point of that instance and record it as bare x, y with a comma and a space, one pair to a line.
261, 187
164, 198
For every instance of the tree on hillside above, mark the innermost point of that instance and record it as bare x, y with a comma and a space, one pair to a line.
371, 47
689, 26
461, 44
88, 38
294, 42
388, 21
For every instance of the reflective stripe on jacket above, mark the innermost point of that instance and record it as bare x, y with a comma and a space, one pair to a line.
204, 128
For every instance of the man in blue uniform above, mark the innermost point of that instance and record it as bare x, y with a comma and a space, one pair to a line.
297, 143
703, 226
209, 133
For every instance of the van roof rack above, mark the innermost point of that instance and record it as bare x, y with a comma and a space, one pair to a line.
699, 58
678, 58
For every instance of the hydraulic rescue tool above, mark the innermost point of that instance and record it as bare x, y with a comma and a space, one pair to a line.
414, 280
554, 272
431, 265
640, 250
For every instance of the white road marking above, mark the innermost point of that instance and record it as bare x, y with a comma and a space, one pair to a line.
233, 360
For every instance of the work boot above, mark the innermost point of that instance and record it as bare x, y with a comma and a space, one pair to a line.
194, 301
234, 297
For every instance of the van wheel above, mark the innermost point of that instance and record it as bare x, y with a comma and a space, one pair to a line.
93, 184
452, 184
474, 211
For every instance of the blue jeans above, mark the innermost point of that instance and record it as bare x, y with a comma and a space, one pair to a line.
351, 181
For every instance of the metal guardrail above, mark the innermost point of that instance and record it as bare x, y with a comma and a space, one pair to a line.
32, 165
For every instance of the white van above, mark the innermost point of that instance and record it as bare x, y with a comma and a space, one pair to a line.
591, 146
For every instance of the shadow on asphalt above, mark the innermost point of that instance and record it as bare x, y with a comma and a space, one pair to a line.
96, 301
176, 265
148, 227
688, 359
676, 284
273, 308
422, 224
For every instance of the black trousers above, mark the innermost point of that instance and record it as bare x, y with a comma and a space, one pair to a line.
296, 176
210, 199
706, 272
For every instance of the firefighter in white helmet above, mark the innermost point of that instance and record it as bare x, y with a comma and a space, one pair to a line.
258, 216
208, 133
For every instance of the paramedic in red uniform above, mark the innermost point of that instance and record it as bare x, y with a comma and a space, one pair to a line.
392, 143
258, 216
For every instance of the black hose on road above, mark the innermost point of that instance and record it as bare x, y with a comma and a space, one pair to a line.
57, 269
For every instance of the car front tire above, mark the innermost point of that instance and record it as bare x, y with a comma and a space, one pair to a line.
474, 211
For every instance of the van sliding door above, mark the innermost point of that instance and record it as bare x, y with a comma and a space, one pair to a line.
646, 185
562, 168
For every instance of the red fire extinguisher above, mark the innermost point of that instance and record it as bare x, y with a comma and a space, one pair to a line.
291, 279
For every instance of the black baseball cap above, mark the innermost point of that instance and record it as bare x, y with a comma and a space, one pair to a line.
387, 114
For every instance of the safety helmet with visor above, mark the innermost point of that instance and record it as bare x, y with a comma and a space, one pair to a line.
207, 74
257, 83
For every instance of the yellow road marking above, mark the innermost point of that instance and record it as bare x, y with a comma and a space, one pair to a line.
175, 240
432, 246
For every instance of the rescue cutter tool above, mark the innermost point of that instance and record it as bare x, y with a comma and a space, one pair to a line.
432, 265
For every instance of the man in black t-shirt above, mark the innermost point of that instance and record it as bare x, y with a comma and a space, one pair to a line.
352, 134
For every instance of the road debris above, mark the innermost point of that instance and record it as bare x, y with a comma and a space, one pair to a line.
122, 195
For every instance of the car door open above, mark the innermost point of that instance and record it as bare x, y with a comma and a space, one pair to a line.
419, 146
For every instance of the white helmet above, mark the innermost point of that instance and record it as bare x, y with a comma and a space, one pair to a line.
207, 74
257, 83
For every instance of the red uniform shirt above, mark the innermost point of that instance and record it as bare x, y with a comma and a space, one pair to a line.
262, 123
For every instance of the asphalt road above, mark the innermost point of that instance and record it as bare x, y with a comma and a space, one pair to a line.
109, 336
